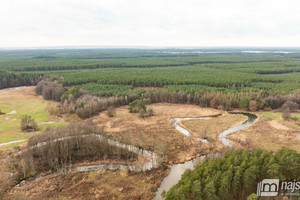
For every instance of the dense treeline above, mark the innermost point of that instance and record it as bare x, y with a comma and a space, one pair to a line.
77, 100
85, 105
10, 79
44, 60
50, 90
235, 175
280, 71
277, 101
204, 76
231, 80
112, 63
158, 77
78, 142
232, 71
106, 90
92, 105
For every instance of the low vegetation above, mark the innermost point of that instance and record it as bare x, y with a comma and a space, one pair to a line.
17, 102
77, 142
50, 90
270, 132
137, 106
28, 124
147, 113
210, 128
111, 111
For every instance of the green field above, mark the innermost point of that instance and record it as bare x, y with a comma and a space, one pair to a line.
10, 124
277, 116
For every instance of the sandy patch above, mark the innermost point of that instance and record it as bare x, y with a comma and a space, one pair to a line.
12, 112
52, 122
277, 125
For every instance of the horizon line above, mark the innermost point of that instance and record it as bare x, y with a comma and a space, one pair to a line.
141, 47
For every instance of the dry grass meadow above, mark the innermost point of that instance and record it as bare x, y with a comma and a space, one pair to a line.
156, 133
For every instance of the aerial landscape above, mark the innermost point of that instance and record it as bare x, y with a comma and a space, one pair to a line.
97, 118
156, 117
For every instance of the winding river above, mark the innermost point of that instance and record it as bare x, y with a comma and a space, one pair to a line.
177, 170
151, 159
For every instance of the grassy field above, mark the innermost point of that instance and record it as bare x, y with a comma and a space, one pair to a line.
210, 128
156, 132
270, 132
21, 101
277, 116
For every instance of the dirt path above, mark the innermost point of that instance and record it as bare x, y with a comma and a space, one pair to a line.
277, 125
11, 142
52, 122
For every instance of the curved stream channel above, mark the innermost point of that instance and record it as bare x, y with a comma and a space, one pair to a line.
151, 159
177, 170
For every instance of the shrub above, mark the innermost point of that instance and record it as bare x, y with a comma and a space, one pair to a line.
74, 91
137, 105
292, 106
220, 107
28, 124
142, 114
252, 106
47, 93
111, 111
213, 103
273, 102
150, 112
286, 114
267, 109
55, 110
81, 105
252, 197
50, 90
244, 103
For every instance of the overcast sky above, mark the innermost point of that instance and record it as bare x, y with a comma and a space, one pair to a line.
33, 23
